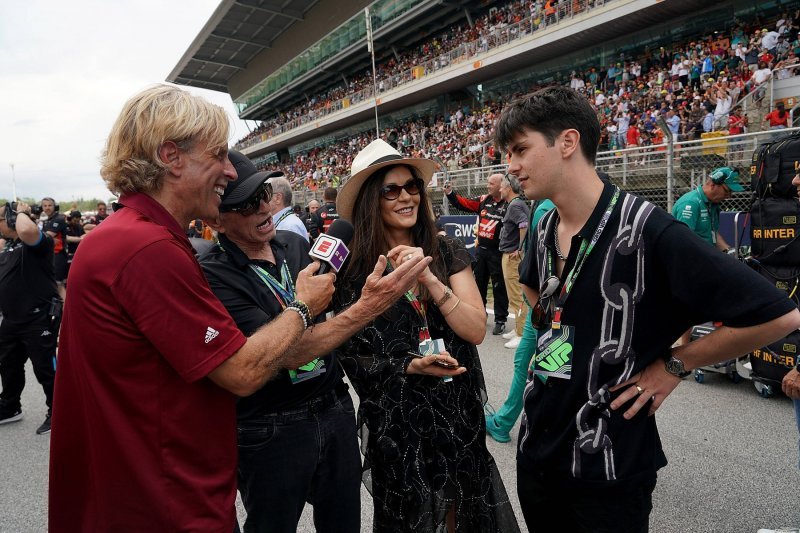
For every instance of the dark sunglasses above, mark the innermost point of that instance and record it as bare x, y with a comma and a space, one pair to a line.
392, 191
541, 315
252, 204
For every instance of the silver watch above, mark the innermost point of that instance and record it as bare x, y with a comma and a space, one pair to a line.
676, 367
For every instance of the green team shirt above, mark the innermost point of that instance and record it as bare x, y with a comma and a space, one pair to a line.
702, 217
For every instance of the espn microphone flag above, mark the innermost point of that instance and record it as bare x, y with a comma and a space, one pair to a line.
330, 251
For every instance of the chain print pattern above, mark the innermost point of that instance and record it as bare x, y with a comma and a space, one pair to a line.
616, 333
614, 347
534, 385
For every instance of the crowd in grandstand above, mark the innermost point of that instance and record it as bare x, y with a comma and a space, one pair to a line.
389, 72
694, 85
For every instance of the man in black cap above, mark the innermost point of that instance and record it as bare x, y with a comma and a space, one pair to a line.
297, 438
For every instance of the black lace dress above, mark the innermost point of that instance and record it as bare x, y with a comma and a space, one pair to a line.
423, 439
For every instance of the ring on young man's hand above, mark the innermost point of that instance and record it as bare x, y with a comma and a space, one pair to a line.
639, 389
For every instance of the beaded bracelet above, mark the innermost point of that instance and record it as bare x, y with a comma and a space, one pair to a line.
300, 314
447, 294
300, 307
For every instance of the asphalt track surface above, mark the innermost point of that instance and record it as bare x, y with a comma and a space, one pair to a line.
733, 458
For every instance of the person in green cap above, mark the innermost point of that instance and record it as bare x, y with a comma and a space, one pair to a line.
699, 208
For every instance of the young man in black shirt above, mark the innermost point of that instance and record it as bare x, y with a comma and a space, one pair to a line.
31, 311
297, 434
612, 290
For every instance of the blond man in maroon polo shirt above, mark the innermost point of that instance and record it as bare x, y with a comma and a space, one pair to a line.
150, 362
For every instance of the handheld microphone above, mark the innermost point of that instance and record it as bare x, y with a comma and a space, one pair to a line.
330, 248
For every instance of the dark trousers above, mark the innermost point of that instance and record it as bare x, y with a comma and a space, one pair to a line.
489, 263
36, 340
308, 454
546, 508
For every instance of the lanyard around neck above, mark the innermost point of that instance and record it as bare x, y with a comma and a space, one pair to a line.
284, 216
283, 292
583, 253
419, 307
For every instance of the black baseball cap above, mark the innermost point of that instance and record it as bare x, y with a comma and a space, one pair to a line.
248, 180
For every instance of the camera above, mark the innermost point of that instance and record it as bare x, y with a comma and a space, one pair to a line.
36, 210
10, 213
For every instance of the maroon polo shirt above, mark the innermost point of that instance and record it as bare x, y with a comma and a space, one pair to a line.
142, 440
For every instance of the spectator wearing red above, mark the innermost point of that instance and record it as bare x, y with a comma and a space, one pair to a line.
778, 118
150, 362
737, 122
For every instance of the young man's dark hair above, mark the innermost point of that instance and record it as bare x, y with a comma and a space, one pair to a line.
550, 111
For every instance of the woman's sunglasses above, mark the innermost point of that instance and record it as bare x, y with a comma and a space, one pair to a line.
252, 204
392, 191
541, 315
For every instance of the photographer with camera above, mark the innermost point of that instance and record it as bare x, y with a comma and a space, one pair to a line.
31, 310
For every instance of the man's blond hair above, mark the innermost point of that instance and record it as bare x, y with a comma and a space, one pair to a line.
130, 160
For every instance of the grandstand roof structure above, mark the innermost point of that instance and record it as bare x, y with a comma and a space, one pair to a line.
246, 40
237, 32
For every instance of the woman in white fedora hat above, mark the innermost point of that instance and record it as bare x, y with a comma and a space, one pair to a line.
421, 416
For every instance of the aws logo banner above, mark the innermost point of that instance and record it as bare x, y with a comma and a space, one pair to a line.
461, 227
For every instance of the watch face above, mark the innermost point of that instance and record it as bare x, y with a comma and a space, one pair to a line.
675, 366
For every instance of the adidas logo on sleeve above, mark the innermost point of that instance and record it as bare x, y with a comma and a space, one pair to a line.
211, 334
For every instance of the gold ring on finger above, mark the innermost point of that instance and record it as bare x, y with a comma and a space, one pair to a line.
639, 389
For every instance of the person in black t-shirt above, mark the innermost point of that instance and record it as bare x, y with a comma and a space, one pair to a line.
31, 311
102, 214
326, 214
310, 219
75, 233
611, 291
56, 227
297, 434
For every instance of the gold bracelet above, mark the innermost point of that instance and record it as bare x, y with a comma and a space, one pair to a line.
452, 308
447, 294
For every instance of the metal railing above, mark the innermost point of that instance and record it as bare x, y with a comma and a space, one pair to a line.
659, 173
662, 173
489, 40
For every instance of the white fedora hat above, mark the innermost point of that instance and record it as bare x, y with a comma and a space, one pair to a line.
374, 156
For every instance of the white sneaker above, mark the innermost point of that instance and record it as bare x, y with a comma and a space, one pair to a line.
510, 335
513, 343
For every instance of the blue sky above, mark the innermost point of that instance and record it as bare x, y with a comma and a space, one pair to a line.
66, 68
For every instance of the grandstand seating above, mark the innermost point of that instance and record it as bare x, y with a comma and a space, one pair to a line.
635, 90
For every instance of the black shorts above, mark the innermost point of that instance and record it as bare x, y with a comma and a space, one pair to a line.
60, 264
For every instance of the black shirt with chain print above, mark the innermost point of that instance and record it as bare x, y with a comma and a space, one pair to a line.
647, 281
